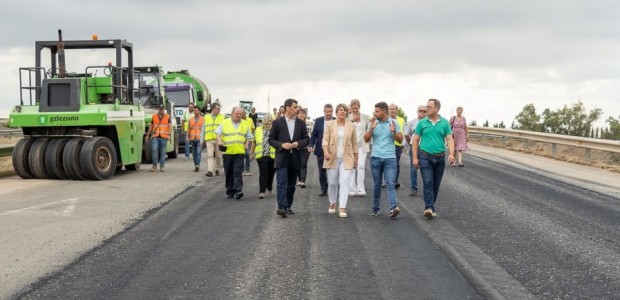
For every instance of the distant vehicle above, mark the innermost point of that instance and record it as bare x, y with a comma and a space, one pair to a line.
246, 105
183, 89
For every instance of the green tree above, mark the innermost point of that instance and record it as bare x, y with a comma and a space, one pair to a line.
473, 123
572, 120
401, 113
485, 124
527, 119
614, 128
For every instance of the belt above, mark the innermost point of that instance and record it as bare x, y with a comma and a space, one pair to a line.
442, 154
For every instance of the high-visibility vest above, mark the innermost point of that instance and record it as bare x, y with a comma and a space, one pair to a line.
234, 139
401, 123
259, 144
186, 120
195, 128
161, 127
211, 125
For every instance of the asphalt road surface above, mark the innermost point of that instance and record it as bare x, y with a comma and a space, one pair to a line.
503, 231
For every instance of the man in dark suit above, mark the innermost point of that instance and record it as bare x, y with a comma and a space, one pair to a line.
316, 144
288, 136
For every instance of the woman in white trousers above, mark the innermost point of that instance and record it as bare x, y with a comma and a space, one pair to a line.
340, 159
357, 181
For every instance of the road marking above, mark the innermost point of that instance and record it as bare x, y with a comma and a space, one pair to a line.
40, 210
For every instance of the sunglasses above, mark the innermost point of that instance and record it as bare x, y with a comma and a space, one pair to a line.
421, 111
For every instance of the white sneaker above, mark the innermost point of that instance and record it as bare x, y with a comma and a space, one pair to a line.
261, 195
332, 209
351, 194
342, 213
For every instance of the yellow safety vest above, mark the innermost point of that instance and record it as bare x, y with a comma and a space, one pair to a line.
401, 123
211, 125
234, 139
195, 128
185, 120
259, 144
250, 123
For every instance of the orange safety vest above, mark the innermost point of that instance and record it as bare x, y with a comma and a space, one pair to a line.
195, 128
161, 129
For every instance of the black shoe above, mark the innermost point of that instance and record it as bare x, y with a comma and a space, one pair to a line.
413, 193
217, 173
302, 185
281, 212
209, 174
238, 195
383, 185
323, 194
397, 185
290, 211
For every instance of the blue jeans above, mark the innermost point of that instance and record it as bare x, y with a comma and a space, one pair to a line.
398, 150
186, 148
286, 180
414, 172
246, 164
196, 151
383, 168
431, 168
158, 149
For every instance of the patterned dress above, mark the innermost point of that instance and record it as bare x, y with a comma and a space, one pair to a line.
459, 134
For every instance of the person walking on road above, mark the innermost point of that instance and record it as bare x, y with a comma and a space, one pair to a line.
160, 130
460, 133
305, 153
383, 131
408, 133
246, 161
214, 155
186, 116
236, 136
195, 136
288, 136
360, 121
265, 155
316, 144
340, 159
430, 138
398, 146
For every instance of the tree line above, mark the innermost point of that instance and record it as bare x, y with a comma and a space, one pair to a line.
572, 120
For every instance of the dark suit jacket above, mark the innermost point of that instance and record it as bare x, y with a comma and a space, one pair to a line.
316, 140
279, 135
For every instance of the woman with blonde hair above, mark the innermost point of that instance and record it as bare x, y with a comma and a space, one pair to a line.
265, 155
340, 159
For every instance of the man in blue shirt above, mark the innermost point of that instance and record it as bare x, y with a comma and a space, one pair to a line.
383, 131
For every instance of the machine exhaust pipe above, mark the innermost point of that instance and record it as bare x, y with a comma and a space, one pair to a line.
61, 56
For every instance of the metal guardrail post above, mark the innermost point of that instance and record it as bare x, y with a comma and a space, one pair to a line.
554, 150
588, 155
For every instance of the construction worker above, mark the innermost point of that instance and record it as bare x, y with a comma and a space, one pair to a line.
236, 136
195, 136
398, 146
161, 130
186, 116
214, 155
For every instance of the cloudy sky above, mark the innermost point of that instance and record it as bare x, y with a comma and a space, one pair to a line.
491, 57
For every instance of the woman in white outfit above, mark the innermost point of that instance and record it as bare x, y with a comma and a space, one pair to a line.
340, 159
357, 181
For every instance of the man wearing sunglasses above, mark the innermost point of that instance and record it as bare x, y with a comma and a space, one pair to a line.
408, 133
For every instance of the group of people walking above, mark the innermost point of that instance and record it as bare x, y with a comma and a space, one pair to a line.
341, 140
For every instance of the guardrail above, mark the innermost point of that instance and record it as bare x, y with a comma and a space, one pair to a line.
553, 139
7, 149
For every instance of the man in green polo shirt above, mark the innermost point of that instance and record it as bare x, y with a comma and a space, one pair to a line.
434, 131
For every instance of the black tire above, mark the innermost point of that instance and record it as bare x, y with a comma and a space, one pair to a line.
21, 163
53, 158
132, 167
37, 158
175, 151
71, 159
146, 148
98, 158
